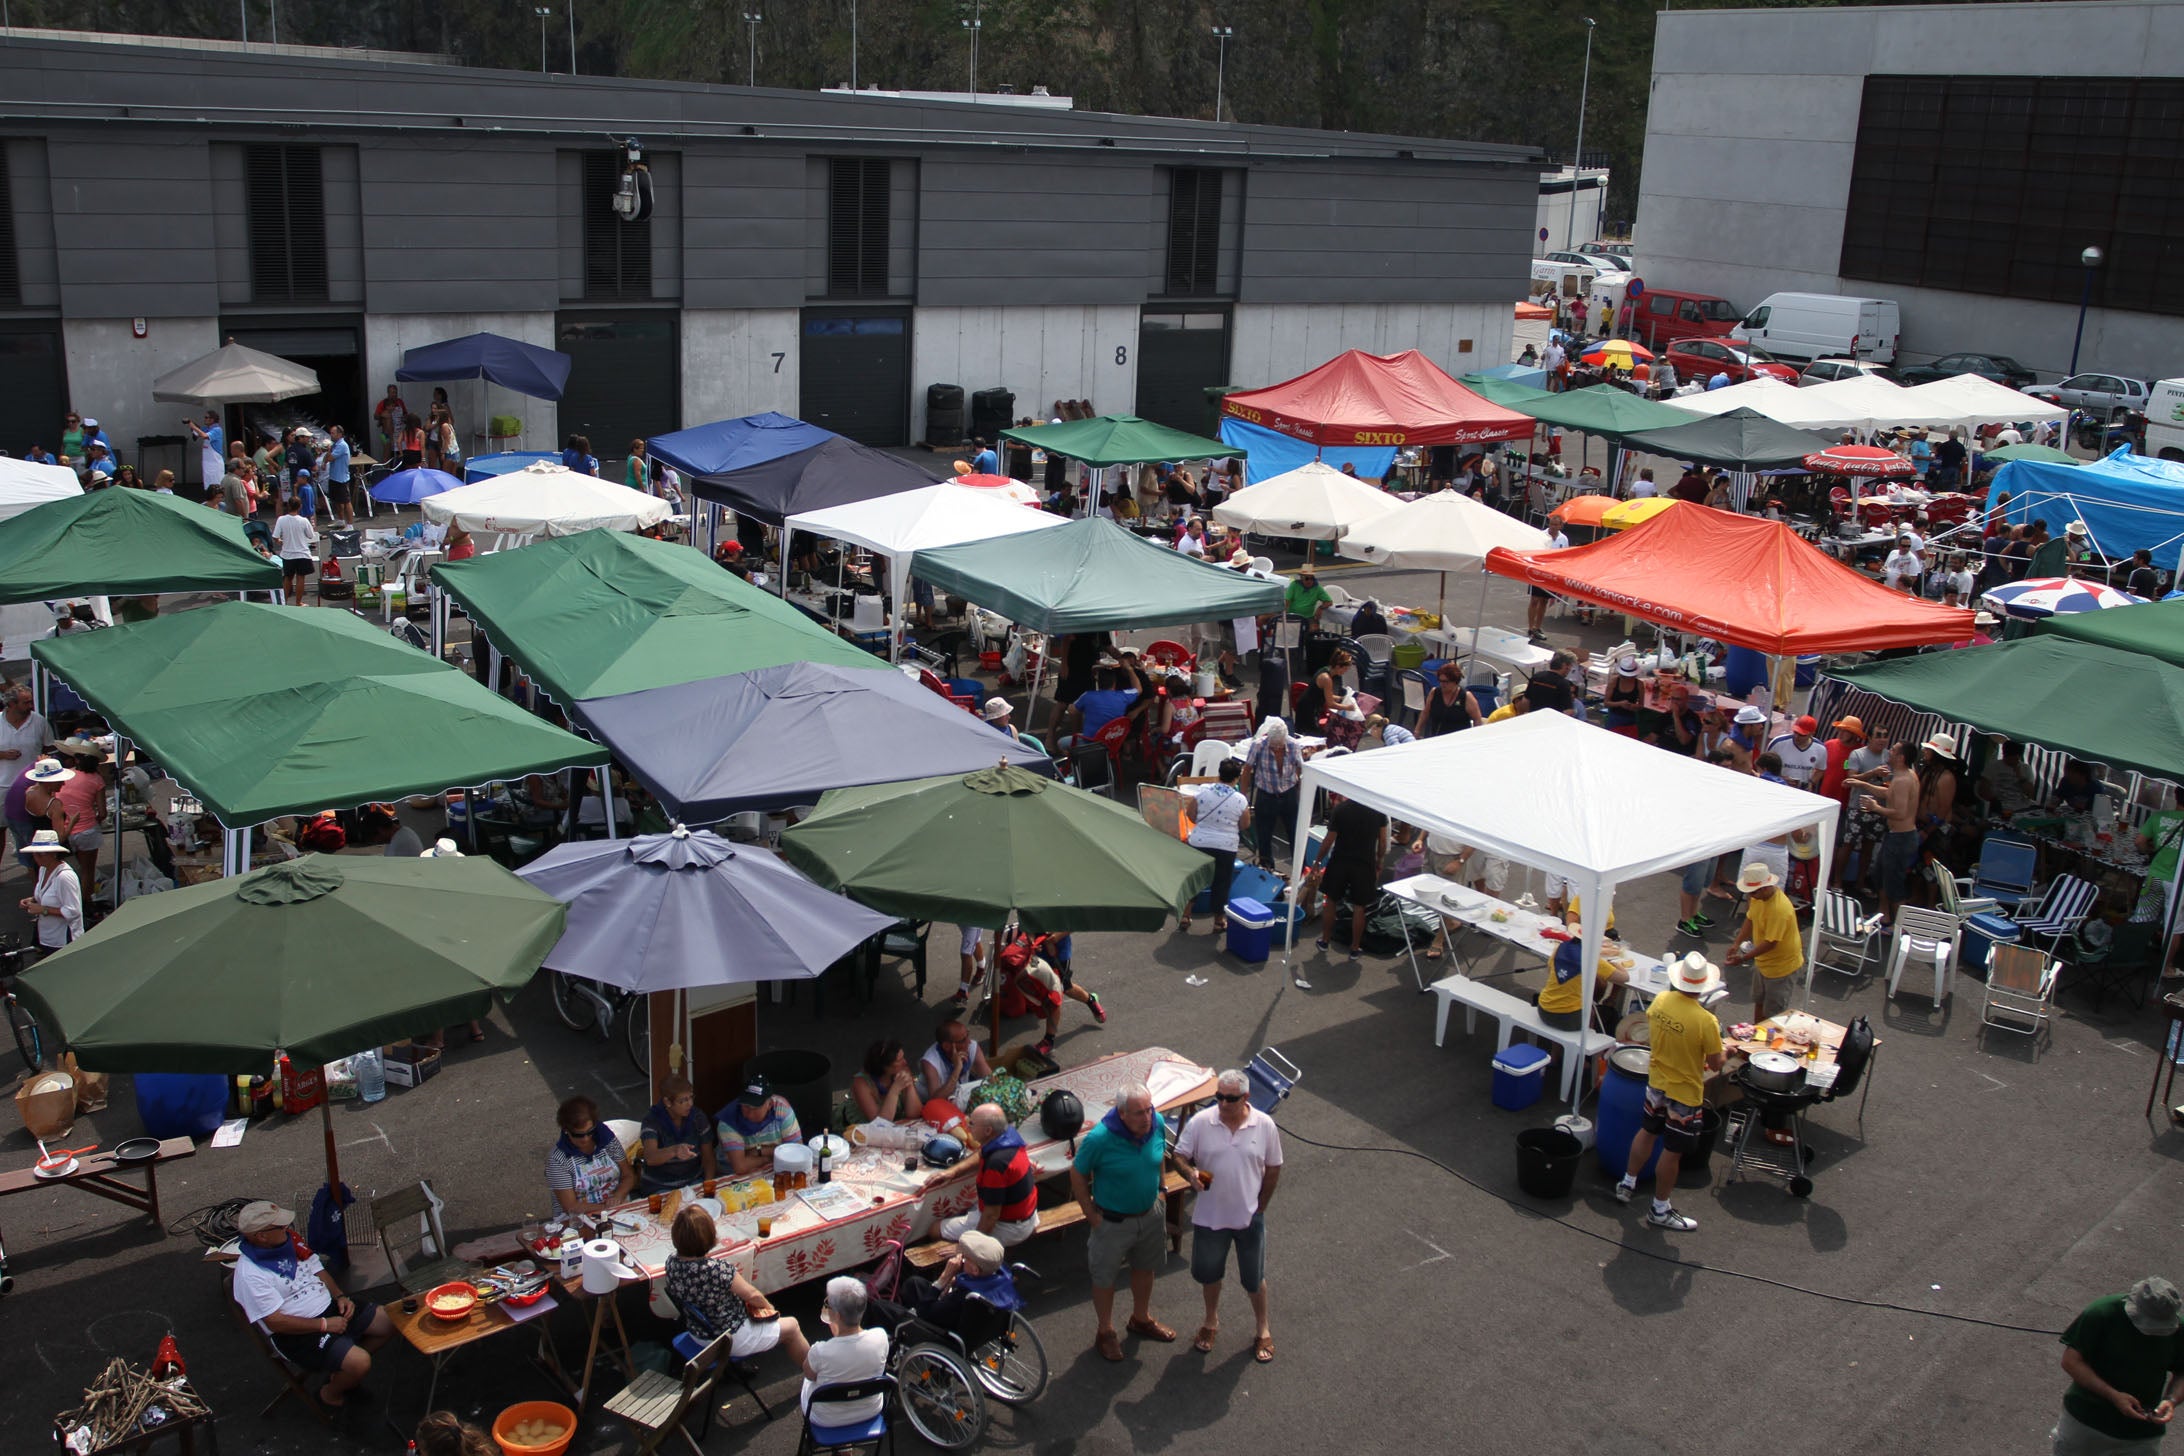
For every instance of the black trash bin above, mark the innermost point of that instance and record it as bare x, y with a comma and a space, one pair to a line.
1695, 1169
803, 1078
1547, 1159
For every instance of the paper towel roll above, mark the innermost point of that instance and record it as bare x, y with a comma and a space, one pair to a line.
601, 1258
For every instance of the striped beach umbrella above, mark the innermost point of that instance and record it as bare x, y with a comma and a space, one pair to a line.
2044, 596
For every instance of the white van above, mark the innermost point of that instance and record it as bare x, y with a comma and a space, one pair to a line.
1571, 280
1809, 325
2165, 420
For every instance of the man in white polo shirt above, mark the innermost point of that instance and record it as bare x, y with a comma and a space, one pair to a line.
1234, 1151
285, 1291
1803, 755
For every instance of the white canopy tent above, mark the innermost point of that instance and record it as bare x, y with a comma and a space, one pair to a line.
899, 526
1969, 401
1314, 502
1591, 806
25, 484
1765, 395
544, 499
1444, 532
236, 374
1864, 402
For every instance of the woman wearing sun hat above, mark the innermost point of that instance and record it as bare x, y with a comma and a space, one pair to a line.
56, 897
40, 785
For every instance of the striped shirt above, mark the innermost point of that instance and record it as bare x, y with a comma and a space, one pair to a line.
1275, 768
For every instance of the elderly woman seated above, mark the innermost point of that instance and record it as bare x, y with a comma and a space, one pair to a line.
586, 1171
974, 1273
716, 1300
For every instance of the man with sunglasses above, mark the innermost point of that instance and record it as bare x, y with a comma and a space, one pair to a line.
1234, 1152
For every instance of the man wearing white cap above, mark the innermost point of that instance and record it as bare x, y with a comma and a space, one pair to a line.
286, 1292
1684, 1040
23, 732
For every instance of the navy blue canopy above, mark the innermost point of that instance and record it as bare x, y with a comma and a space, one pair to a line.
832, 473
784, 735
725, 445
510, 363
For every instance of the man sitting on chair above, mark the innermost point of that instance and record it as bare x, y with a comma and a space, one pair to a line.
285, 1291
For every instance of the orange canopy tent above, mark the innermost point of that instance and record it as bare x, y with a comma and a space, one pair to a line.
1358, 398
1738, 580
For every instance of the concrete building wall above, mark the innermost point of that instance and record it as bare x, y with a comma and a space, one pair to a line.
1328, 233
1752, 128
729, 363
1273, 342
1066, 351
110, 373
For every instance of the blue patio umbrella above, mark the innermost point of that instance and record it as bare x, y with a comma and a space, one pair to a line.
408, 487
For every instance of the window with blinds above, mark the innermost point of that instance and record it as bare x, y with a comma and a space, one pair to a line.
1997, 184
11, 281
1194, 231
617, 254
287, 203
857, 227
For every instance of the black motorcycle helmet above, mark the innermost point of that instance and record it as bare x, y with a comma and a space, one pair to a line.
1061, 1115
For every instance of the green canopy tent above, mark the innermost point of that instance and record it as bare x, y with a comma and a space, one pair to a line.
2036, 690
1741, 439
1507, 392
127, 543
1610, 413
2155, 629
261, 711
604, 612
1118, 440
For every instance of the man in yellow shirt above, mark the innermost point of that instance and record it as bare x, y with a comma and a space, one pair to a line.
1685, 1042
1561, 1002
1769, 940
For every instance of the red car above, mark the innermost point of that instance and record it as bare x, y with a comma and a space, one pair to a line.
1698, 360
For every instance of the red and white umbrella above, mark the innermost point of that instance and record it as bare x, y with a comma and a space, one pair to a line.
2044, 596
1866, 461
1004, 486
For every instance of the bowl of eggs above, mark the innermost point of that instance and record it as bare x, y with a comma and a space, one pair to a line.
535, 1428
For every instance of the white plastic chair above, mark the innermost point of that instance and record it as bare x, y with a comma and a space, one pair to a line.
1928, 936
629, 1133
1209, 755
1337, 595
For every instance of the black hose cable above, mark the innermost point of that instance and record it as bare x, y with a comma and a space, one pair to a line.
214, 1224
1670, 1259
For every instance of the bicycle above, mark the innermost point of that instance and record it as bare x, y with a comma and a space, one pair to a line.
29, 1036
585, 1005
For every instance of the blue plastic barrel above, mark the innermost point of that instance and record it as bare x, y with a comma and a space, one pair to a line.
1622, 1102
181, 1104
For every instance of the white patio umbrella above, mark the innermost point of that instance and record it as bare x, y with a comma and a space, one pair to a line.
1444, 532
1315, 501
544, 499
234, 374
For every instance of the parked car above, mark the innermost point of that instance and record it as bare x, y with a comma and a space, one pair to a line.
1827, 371
1617, 254
2000, 368
1603, 264
1701, 359
1662, 314
2103, 396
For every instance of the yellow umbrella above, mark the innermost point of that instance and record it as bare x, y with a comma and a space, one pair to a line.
1629, 513
1622, 353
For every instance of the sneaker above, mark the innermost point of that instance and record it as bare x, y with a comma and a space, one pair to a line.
1092, 1003
1670, 1219
1624, 1188
1355, 953
1701, 919
1691, 927
1045, 1048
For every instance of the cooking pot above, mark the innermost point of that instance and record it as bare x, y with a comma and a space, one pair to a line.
1774, 1072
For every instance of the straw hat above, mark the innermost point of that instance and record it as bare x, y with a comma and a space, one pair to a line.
1694, 975
2075, 528
441, 849
49, 771
1985, 618
1627, 667
1748, 715
1943, 744
45, 841
1756, 876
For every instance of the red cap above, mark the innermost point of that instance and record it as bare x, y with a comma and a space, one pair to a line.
1806, 724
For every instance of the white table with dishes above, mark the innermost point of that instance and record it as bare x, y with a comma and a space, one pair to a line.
1515, 925
1512, 650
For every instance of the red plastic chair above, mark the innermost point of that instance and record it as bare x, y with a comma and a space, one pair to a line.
1172, 655
1839, 503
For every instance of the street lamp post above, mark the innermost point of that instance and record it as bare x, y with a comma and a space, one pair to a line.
1222, 35
975, 24
1577, 164
752, 19
2091, 257
572, 37
544, 15
852, 45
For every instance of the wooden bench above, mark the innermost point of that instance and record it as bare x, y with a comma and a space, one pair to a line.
935, 1252
1514, 1014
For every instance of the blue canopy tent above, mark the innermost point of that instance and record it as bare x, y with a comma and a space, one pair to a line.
1273, 453
509, 363
730, 445
485, 467
2128, 502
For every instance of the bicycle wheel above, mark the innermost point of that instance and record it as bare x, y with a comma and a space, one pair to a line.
637, 1031
576, 1010
29, 1039
940, 1397
1012, 1367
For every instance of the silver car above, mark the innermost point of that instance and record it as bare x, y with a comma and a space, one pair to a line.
2102, 395
1827, 371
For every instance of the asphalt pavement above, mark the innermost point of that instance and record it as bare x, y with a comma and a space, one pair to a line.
1419, 1299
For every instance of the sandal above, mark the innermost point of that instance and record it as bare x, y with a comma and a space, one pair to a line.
1433, 953
1219, 925
1203, 1344
1262, 1349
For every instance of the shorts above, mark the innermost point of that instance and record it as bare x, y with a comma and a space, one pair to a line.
87, 841
1555, 887
1542, 594
2073, 1437
1007, 1235
1696, 877
1771, 995
1490, 872
1561, 1020
1899, 856
1210, 1250
326, 1352
1140, 1243
1676, 1125
1352, 881
338, 492
973, 937
295, 566
754, 1337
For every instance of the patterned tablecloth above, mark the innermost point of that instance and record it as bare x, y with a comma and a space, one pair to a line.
872, 1200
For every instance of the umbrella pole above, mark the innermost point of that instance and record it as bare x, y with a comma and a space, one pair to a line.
606, 799
333, 1158
1031, 703
121, 752
1478, 625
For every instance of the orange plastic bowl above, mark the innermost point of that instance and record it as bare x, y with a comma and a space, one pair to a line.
452, 1301
534, 1410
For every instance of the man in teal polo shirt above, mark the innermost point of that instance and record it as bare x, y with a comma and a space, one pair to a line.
1116, 1181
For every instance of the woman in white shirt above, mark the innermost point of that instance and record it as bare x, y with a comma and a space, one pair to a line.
1223, 813
854, 1354
56, 898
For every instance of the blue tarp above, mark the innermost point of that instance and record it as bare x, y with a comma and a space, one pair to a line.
2128, 502
727, 445
485, 467
509, 363
1273, 453
1524, 374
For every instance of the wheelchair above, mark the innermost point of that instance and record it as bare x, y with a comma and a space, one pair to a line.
945, 1377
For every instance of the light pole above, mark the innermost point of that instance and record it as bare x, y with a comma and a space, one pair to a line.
852, 45
572, 37
1222, 35
1577, 164
2091, 257
974, 25
752, 18
544, 15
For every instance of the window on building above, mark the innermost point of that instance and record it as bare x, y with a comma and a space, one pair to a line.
287, 204
617, 254
857, 197
1194, 231
1997, 185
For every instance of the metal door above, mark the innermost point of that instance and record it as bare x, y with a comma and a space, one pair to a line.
1181, 355
625, 381
855, 368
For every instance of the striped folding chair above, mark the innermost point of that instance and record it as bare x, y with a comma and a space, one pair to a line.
1849, 933
2061, 911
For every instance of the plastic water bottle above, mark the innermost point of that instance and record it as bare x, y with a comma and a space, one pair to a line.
371, 1076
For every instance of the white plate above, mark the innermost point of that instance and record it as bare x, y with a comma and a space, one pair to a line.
61, 1172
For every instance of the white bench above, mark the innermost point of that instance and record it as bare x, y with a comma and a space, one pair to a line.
1514, 1014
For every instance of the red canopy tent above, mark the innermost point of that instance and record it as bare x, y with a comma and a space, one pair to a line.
1738, 580
1357, 398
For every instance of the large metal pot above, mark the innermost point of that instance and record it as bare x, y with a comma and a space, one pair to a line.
1774, 1072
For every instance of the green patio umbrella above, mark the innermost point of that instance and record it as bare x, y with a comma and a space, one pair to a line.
972, 848
2045, 454
320, 957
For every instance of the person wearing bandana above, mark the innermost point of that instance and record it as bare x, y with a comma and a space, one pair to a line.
586, 1171
286, 1292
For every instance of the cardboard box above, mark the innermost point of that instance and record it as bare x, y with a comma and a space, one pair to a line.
410, 1065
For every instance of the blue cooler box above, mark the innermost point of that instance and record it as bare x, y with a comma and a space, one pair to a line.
1520, 1074
1981, 930
1250, 929
1249, 882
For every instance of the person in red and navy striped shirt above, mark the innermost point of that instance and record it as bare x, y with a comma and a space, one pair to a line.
1008, 1196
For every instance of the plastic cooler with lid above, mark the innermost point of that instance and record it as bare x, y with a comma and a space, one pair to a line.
1250, 929
1520, 1073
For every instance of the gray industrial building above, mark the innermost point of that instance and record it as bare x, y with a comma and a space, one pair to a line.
1959, 159
825, 255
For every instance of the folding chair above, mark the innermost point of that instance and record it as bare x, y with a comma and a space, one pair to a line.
294, 1378
2060, 912
690, 1347
2020, 992
2109, 965
409, 1228
657, 1404
1273, 1077
1091, 769
1845, 928
1926, 935
2005, 870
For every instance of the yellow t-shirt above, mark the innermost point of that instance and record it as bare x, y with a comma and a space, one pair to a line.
1506, 710
1565, 989
1577, 903
1682, 1034
1775, 919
